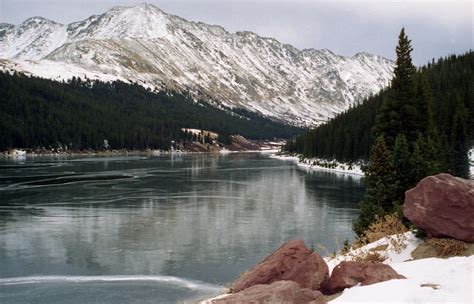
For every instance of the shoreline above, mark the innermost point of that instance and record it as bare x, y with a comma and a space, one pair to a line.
131, 153
425, 276
318, 164
241, 145
310, 164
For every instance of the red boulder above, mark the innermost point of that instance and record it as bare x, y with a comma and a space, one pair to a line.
443, 206
293, 262
348, 274
287, 292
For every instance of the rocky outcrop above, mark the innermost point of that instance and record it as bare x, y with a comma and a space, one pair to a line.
443, 206
292, 262
287, 292
348, 274
240, 143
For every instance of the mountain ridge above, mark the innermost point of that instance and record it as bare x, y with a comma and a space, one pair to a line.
143, 44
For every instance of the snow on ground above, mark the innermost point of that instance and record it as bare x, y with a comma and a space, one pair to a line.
323, 165
355, 169
445, 280
392, 252
428, 281
431, 280
471, 160
263, 150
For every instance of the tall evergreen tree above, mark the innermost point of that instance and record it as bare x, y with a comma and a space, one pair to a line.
406, 120
424, 107
420, 165
398, 114
459, 143
403, 165
448, 82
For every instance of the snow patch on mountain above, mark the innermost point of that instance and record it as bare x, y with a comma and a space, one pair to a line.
144, 44
57, 71
33, 39
141, 21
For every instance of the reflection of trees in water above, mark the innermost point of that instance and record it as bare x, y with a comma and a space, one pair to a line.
336, 189
245, 212
211, 219
82, 254
16, 214
6, 217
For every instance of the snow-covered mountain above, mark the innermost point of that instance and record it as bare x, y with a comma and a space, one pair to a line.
145, 45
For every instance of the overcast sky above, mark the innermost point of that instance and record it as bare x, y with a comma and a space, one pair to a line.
437, 28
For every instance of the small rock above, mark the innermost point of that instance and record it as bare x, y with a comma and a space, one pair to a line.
443, 206
434, 286
287, 292
293, 262
348, 274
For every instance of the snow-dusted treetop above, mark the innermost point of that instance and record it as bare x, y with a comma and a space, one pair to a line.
144, 44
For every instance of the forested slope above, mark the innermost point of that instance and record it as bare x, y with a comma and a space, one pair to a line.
36, 112
349, 136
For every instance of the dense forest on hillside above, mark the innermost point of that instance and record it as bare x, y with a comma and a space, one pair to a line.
349, 136
81, 114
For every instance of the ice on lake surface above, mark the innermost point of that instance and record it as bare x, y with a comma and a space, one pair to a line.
157, 229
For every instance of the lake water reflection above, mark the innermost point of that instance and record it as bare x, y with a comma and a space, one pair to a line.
157, 229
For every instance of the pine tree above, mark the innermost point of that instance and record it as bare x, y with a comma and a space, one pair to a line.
449, 79
459, 143
398, 114
424, 100
405, 119
433, 156
420, 165
381, 185
403, 164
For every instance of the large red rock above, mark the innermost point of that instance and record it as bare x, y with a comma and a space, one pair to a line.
287, 292
348, 274
443, 206
293, 262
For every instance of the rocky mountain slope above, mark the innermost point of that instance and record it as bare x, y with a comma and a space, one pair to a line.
146, 45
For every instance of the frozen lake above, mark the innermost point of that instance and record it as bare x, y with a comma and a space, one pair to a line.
165, 229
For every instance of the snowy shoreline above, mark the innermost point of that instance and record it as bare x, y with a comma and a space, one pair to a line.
322, 165
428, 280
471, 162
319, 164
4, 155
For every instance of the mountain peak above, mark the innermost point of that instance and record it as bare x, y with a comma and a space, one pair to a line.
5, 25
140, 8
139, 21
143, 44
38, 20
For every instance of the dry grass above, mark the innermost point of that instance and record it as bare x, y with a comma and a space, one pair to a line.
447, 247
389, 226
379, 248
346, 247
372, 257
384, 226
